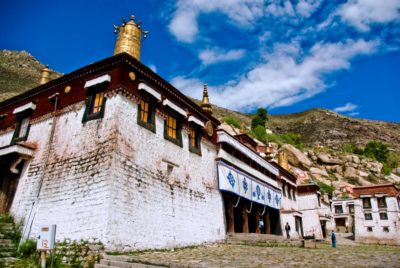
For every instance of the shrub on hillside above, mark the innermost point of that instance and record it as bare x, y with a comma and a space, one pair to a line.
259, 133
230, 120
376, 150
260, 119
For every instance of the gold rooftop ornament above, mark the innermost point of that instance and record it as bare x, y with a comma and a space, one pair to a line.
129, 37
45, 75
205, 102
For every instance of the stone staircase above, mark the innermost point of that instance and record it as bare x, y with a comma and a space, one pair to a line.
266, 240
8, 247
113, 261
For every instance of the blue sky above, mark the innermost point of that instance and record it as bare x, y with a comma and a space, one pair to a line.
288, 56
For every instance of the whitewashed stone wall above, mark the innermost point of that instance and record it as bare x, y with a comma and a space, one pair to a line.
154, 209
377, 235
308, 206
288, 207
108, 179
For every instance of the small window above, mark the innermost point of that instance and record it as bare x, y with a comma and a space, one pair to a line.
381, 202
319, 200
289, 190
351, 209
21, 129
366, 202
368, 216
146, 114
369, 229
383, 216
294, 195
386, 229
172, 129
284, 188
338, 209
95, 106
195, 140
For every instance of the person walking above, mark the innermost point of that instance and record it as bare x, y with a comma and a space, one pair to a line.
333, 239
261, 224
287, 229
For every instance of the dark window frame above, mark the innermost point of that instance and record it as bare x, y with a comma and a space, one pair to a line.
368, 218
151, 115
284, 188
382, 203
351, 209
294, 194
366, 200
385, 216
19, 118
338, 209
198, 134
179, 119
91, 92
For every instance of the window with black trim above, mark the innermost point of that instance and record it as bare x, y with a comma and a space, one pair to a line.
351, 209
368, 216
146, 113
22, 127
383, 216
294, 194
95, 105
195, 139
369, 229
284, 188
366, 202
173, 129
381, 202
386, 229
338, 209
289, 192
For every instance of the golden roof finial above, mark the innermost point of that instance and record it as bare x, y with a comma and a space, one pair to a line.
205, 102
243, 128
129, 37
282, 160
45, 75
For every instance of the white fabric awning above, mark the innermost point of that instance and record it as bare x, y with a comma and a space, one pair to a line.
28, 106
196, 121
150, 90
174, 107
98, 80
16, 149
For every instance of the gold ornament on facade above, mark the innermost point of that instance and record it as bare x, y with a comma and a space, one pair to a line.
243, 128
205, 102
45, 75
282, 160
67, 89
129, 37
132, 76
209, 128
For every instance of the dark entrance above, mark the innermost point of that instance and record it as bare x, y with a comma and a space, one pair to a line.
243, 216
299, 225
9, 177
323, 228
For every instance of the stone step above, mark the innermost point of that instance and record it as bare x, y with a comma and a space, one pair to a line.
104, 266
131, 260
7, 254
5, 241
8, 261
122, 264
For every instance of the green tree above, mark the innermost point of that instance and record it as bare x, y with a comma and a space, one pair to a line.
393, 160
259, 133
376, 150
260, 118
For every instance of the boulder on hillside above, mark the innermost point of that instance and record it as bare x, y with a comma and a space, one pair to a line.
393, 178
327, 159
356, 159
375, 167
295, 156
317, 171
350, 172
396, 170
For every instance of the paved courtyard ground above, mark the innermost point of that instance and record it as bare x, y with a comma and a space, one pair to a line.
225, 255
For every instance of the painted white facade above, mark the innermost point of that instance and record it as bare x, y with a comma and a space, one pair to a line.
117, 181
378, 230
313, 212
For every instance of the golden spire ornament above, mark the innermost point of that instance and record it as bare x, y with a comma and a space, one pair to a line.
205, 102
129, 38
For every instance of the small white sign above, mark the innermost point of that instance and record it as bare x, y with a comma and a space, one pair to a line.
46, 238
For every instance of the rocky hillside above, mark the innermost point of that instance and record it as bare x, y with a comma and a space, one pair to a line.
19, 72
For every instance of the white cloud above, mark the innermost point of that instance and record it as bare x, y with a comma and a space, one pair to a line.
354, 113
362, 13
184, 24
152, 67
307, 7
216, 55
348, 107
282, 80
